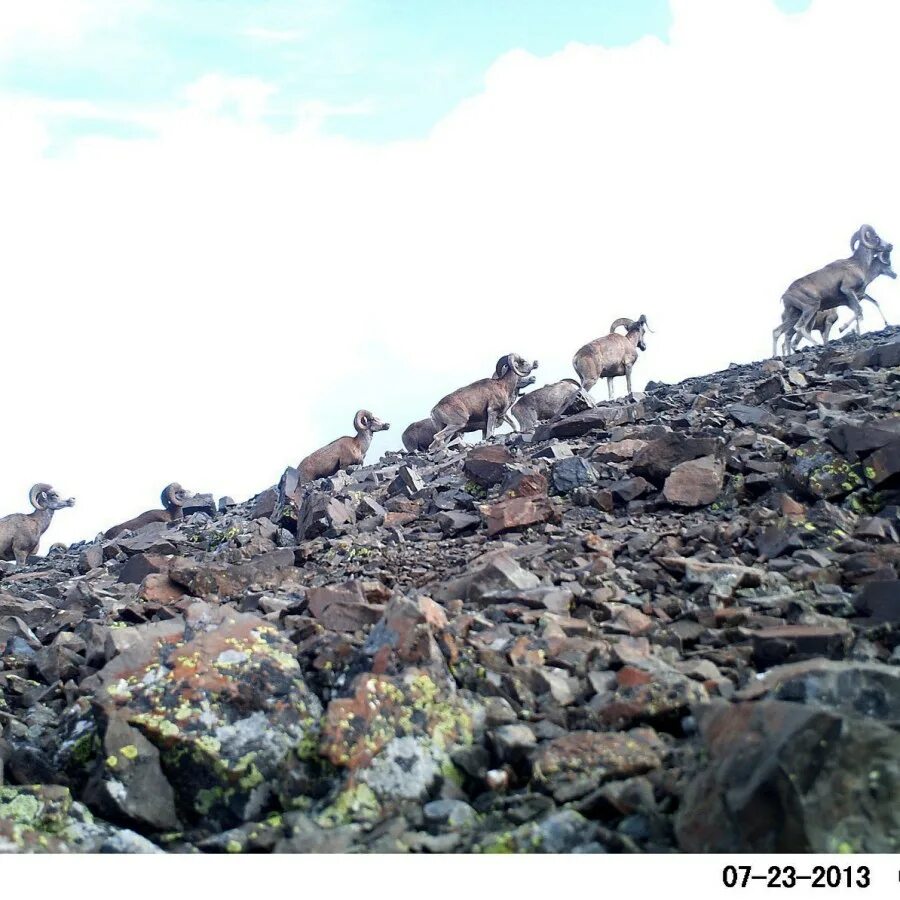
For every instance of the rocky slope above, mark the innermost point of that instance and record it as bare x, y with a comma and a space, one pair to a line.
664, 624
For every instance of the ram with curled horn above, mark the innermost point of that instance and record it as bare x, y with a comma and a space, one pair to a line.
173, 498
840, 283
419, 435
482, 404
344, 451
20, 533
612, 355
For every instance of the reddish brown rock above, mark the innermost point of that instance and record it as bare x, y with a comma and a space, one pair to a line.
696, 482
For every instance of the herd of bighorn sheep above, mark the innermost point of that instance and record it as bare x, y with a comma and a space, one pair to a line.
810, 304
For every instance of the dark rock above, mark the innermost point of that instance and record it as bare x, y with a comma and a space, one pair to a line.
657, 458
568, 474
785, 778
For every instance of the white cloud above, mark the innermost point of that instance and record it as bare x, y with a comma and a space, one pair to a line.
212, 304
27, 24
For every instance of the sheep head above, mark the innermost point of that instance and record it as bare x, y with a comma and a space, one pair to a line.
42, 496
174, 496
514, 362
631, 326
500, 368
867, 236
366, 421
883, 261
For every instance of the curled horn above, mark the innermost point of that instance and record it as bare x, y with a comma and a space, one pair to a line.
34, 495
643, 321
867, 236
620, 322
362, 419
504, 364
169, 496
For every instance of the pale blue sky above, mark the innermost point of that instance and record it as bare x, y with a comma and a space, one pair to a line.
394, 66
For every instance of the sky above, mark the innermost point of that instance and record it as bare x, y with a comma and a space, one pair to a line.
225, 227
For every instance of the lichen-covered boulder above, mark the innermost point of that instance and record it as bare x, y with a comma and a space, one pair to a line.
43, 818
393, 737
226, 709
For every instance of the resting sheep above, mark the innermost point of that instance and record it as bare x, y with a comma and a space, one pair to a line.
840, 283
20, 533
173, 497
611, 355
343, 452
546, 402
482, 404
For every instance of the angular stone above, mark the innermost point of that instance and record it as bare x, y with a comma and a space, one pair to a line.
321, 514
594, 419
576, 763
785, 778
342, 608
878, 602
226, 710
658, 457
517, 512
883, 466
568, 474
488, 465
128, 784
697, 482
821, 473
223, 581
790, 643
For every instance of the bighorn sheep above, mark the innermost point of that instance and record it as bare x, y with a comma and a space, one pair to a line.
173, 497
419, 435
840, 283
343, 452
482, 404
546, 402
611, 355
20, 533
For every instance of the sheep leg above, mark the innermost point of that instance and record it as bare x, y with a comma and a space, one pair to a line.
609, 385
443, 437
490, 424
21, 557
628, 382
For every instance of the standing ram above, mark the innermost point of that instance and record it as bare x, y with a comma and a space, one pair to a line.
612, 355
482, 404
840, 283
419, 435
343, 452
20, 533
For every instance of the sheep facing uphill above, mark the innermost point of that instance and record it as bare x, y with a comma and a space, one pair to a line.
483, 403
419, 435
611, 355
173, 497
20, 533
840, 283
343, 452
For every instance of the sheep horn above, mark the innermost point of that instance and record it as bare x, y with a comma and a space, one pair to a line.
504, 364
169, 496
620, 322
34, 495
646, 324
361, 420
869, 237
